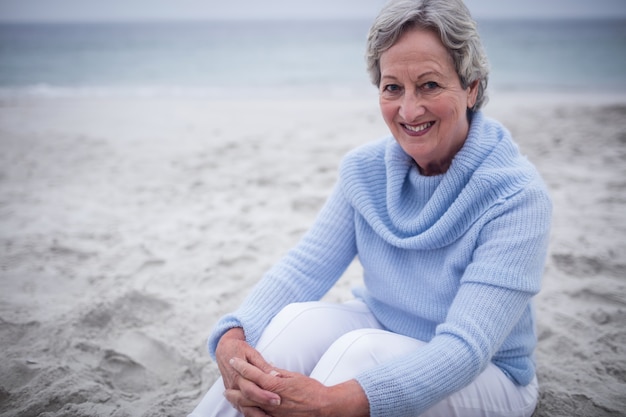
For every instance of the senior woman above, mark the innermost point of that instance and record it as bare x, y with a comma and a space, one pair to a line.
451, 226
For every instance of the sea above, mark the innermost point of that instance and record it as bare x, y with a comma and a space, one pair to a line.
293, 59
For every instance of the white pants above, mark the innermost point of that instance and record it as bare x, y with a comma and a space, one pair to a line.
334, 342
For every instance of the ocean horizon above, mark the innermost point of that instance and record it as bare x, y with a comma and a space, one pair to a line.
316, 58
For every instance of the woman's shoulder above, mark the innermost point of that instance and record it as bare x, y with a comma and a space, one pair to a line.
363, 170
365, 157
370, 150
378, 153
491, 151
505, 169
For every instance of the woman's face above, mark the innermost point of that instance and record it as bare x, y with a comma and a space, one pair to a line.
422, 100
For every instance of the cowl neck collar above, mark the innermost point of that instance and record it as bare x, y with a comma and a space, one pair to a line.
414, 211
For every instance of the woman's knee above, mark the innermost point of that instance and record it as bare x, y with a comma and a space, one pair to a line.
301, 322
359, 350
300, 333
293, 325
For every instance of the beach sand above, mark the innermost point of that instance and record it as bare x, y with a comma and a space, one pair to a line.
128, 226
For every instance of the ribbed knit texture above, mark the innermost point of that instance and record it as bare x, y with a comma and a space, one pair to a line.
453, 260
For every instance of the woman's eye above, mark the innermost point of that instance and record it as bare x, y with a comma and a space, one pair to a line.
391, 88
431, 85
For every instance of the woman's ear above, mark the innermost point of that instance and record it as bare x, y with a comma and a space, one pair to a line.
472, 94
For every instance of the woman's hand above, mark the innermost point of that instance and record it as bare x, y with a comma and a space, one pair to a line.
233, 344
300, 395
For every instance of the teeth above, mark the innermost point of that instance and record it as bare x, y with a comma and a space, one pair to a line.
419, 128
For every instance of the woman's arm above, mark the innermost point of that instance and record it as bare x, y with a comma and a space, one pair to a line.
305, 273
495, 291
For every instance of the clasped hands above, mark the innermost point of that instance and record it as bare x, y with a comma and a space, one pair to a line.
257, 389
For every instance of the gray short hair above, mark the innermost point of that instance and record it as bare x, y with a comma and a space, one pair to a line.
450, 19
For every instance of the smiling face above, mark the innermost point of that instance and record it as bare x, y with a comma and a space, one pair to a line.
422, 100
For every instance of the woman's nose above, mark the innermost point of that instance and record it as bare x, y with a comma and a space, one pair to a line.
412, 107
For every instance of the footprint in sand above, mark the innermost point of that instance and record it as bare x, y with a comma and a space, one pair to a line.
136, 363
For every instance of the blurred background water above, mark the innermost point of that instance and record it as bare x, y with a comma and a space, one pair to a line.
318, 58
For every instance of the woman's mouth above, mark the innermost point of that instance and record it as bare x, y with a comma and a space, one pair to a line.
417, 129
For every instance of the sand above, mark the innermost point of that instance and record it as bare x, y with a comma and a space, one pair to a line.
128, 225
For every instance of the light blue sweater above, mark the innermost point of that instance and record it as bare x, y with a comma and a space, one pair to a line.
453, 260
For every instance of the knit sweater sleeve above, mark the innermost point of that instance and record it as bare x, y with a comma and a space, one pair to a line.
305, 273
495, 290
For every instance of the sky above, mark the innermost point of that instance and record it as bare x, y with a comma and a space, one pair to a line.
107, 10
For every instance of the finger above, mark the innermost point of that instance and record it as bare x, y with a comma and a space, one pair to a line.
256, 359
254, 412
258, 395
252, 372
255, 384
243, 405
237, 399
230, 378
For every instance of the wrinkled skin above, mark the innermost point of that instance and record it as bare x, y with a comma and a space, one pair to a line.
257, 389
